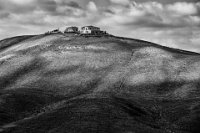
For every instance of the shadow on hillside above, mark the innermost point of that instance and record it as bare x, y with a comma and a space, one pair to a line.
20, 103
94, 115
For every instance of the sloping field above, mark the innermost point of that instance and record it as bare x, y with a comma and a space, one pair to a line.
12, 41
59, 84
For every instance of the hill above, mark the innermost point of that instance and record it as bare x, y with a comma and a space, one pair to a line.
64, 83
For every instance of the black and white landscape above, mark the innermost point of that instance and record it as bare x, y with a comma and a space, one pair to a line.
104, 74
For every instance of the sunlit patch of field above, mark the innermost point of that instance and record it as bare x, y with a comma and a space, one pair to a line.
161, 70
32, 44
6, 57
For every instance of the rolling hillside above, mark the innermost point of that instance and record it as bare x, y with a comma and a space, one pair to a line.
61, 83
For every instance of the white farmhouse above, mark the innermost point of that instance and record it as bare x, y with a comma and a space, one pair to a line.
90, 30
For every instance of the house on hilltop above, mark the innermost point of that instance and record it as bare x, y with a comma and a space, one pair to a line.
71, 29
91, 30
85, 31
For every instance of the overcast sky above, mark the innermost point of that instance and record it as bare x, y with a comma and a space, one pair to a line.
173, 23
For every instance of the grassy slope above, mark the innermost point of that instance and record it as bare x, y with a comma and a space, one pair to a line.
107, 84
12, 41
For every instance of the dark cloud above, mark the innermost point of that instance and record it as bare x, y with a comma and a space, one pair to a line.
109, 11
4, 15
73, 4
49, 5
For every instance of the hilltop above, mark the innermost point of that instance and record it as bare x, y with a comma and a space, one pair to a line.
68, 83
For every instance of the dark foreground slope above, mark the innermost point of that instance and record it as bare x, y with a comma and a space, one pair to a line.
70, 84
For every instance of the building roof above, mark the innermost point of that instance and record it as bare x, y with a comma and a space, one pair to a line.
90, 26
56, 30
72, 27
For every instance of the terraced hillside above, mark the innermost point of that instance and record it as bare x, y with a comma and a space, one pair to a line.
73, 84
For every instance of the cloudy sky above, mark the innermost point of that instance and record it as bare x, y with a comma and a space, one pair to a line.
173, 23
